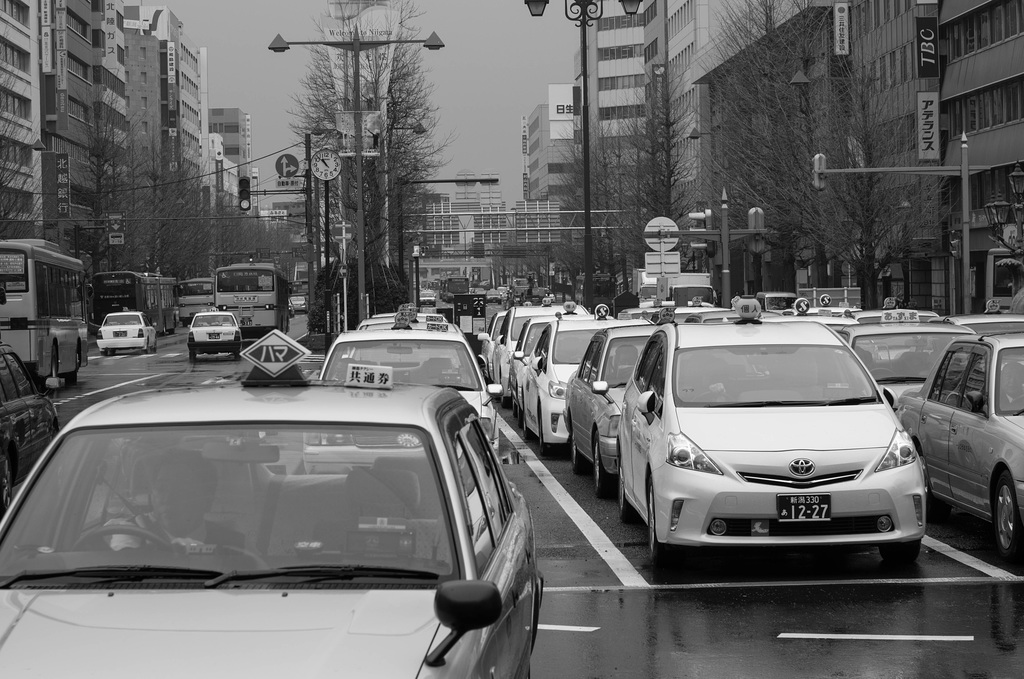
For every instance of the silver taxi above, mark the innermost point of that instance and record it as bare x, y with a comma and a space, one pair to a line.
699, 479
488, 341
522, 361
184, 522
594, 400
988, 323
429, 357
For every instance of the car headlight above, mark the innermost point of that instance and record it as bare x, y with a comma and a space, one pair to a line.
900, 452
556, 389
685, 454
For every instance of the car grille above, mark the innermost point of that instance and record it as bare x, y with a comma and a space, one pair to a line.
790, 482
844, 525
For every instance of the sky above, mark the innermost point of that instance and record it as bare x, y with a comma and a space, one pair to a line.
494, 69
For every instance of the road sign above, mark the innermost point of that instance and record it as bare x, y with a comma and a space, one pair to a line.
286, 165
275, 352
661, 234
661, 263
115, 228
115, 238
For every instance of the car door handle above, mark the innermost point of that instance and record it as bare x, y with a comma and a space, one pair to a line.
952, 429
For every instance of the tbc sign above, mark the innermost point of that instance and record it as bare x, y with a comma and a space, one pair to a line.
926, 52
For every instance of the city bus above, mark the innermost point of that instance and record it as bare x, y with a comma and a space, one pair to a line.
256, 294
456, 285
43, 317
152, 294
194, 295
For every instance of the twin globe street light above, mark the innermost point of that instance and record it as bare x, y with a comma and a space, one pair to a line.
584, 13
356, 45
1000, 213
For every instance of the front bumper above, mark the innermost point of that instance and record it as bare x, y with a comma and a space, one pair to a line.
552, 419
750, 510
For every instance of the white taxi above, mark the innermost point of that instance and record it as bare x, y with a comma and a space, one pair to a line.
560, 346
427, 357
214, 332
716, 449
421, 320
126, 330
182, 522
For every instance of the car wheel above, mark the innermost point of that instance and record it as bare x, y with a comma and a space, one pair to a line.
1007, 524
579, 463
626, 512
658, 550
545, 448
54, 362
521, 418
6, 483
602, 479
900, 552
192, 356
506, 398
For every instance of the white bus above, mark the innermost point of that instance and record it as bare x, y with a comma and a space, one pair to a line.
44, 315
194, 295
256, 294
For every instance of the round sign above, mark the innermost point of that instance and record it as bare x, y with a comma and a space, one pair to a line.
802, 305
889, 303
992, 306
661, 234
825, 300
287, 165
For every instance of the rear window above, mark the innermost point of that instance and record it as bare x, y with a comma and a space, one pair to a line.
122, 319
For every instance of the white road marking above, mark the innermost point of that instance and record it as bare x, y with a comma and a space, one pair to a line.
967, 559
567, 628
877, 637
605, 548
116, 386
169, 355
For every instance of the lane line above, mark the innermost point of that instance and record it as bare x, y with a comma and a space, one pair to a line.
116, 386
966, 559
605, 548
877, 637
567, 628
762, 584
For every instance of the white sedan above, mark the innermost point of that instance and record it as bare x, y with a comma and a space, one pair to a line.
126, 330
214, 332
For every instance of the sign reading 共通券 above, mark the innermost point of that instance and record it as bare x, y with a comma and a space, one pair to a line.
928, 126
841, 26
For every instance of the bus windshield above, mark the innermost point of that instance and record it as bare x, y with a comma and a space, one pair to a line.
245, 280
195, 288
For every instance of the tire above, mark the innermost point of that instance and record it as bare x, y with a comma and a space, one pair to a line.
1006, 522
626, 512
54, 363
900, 553
544, 448
192, 356
521, 417
659, 551
602, 479
579, 463
6, 483
71, 378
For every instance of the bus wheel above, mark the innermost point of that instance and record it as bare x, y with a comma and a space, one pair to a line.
54, 362
72, 377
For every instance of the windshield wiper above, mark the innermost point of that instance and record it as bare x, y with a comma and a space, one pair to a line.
852, 400
319, 573
456, 387
896, 380
763, 404
114, 574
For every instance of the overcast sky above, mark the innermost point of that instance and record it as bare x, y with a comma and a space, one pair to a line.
494, 69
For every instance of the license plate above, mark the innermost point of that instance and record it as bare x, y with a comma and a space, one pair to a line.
214, 335
245, 320
120, 333
805, 507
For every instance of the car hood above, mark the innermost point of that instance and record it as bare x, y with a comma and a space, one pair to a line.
563, 371
797, 428
265, 633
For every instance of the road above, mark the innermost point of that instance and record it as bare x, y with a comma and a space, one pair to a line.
958, 612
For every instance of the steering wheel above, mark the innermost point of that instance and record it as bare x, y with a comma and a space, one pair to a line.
132, 529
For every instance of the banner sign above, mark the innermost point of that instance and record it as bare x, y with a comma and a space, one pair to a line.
172, 63
928, 126
841, 26
56, 186
926, 51
46, 47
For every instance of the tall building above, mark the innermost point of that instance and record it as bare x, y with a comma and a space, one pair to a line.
548, 141
458, 233
174, 87
235, 126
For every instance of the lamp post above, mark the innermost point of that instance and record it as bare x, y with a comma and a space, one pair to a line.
356, 45
584, 13
1017, 184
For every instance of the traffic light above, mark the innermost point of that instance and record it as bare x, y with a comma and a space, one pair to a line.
704, 216
954, 247
244, 199
818, 167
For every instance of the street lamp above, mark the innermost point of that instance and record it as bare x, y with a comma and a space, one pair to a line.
584, 13
356, 45
998, 213
1017, 185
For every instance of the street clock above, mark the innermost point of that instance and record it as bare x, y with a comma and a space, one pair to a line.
326, 165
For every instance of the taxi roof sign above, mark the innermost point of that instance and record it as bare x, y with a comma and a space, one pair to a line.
404, 320
802, 305
897, 316
274, 353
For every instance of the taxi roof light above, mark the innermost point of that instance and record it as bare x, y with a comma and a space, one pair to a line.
601, 312
748, 308
569, 306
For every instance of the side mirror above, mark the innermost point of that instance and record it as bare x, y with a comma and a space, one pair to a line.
541, 364
976, 401
890, 396
495, 390
599, 387
483, 337
463, 606
517, 355
646, 402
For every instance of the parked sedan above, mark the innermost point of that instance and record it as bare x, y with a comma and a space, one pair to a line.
214, 332
28, 421
967, 421
126, 330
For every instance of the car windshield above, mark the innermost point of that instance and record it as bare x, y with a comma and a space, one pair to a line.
620, 360
122, 319
901, 356
220, 498
754, 375
212, 321
428, 362
570, 345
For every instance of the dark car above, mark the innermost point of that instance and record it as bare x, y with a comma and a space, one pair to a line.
28, 422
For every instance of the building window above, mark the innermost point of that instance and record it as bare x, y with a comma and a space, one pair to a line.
145, 77
651, 50
14, 56
231, 150
78, 110
15, 104
145, 103
145, 127
16, 10
77, 25
230, 128
619, 52
78, 68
